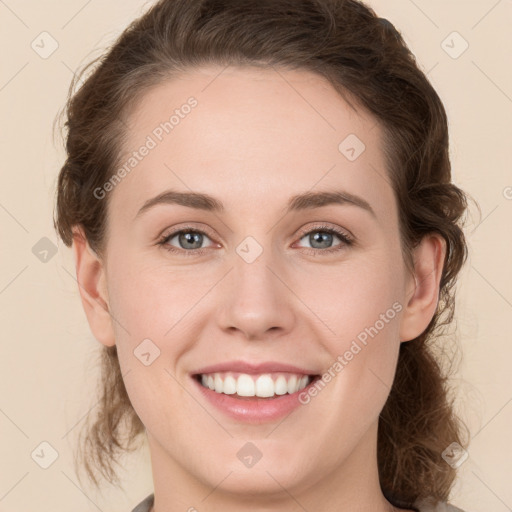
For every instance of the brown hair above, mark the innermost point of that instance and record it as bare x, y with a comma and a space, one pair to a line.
367, 61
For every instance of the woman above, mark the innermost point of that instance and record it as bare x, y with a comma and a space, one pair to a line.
266, 237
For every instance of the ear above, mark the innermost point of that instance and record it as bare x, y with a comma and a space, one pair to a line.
90, 274
423, 295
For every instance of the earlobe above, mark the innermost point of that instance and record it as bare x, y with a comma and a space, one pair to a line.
421, 301
91, 277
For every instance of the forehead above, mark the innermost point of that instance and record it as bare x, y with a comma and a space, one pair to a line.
258, 134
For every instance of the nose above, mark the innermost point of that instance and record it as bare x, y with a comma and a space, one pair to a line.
259, 303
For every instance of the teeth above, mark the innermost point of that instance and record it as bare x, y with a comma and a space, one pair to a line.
281, 386
218, 383
229, 385
292, 384
264, 386
244, 386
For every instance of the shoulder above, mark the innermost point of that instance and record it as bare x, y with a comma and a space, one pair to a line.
145, 505
423, 506
440, 506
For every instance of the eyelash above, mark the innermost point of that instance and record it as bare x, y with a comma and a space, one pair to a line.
346, 240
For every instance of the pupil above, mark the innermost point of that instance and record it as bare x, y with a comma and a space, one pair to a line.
189, 237
321, 236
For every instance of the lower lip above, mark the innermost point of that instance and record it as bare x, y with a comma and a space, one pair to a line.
253, 410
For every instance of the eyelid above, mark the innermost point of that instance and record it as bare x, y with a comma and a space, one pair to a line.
201, 228
325, 226
303, 231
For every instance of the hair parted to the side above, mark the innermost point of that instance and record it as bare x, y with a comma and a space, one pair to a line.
367, 61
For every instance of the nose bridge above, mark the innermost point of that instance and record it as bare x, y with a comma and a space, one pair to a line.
256, 299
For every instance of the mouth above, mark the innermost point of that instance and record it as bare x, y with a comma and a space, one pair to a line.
255, 387
254, 392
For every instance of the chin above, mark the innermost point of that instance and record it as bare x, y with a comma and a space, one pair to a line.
268, 476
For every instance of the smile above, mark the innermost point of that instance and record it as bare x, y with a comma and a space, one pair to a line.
254, 398
266, 385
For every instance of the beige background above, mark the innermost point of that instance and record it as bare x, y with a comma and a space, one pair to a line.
48, 355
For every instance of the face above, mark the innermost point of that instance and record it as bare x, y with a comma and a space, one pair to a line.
264, 289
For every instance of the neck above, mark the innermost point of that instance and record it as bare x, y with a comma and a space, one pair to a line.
353, 486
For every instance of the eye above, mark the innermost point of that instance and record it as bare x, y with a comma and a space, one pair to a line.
189, 241
321, 238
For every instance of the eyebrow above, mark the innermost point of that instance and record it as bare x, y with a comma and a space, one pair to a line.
304, 201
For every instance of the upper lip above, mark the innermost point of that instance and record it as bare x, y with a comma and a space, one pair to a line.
252, 368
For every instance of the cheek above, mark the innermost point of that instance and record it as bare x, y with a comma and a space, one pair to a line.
153, 300
362, 308
363, 366
359, 296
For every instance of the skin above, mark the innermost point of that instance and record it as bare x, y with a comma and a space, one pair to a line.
256, 138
